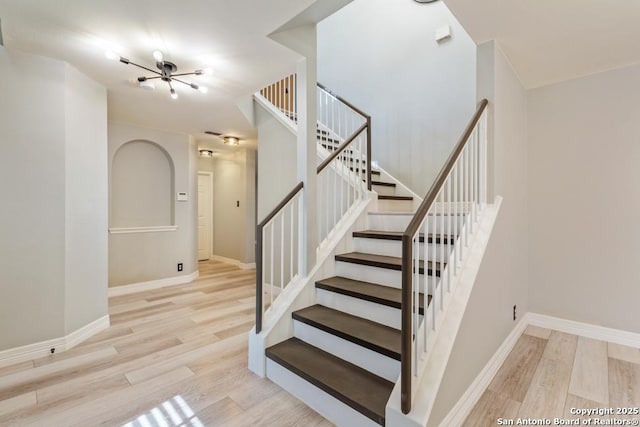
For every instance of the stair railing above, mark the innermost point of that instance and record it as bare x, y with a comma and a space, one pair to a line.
344, 177
448, 215
282, 94
280, 233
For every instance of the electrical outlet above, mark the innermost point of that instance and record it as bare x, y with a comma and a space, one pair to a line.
514, 313
180, 269
238, 204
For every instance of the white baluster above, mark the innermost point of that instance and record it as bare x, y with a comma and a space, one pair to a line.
282, 251
425, 286
448, 235
415, 287
291, 239
272, 262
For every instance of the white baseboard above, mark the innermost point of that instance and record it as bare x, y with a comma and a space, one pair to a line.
242, 265
86, 332
133, 288
43, 348
463, 407
586, 330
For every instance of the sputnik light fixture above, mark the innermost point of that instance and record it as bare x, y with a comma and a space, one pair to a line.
167, 72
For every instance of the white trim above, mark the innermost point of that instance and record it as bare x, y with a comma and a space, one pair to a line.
86, 332
212, 222
134, 230
242, 265
282, 118
472, 395
586, 330
133, 288
43, 348
468, 400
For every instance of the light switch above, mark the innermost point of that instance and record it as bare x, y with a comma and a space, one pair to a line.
182, 197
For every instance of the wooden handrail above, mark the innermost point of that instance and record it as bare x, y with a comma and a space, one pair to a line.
259, 244
347, 103
407, 256
344, 145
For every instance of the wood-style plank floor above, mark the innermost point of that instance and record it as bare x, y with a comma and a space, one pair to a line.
548, 373
172, 357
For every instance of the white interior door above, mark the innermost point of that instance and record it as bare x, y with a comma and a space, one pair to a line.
205, 216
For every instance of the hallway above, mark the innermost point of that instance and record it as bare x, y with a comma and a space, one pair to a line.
172, 357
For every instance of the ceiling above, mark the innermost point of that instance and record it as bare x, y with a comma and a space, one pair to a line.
548, 41
229, 36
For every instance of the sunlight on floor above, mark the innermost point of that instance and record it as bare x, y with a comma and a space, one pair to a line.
175, 412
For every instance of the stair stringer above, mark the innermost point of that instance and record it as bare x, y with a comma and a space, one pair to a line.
402, 189
302, 293
426, 387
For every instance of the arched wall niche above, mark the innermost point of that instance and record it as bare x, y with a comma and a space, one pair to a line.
142, 186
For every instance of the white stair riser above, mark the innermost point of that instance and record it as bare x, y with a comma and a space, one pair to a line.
379, 313
365, 273
384, 190
399, 222
394, 248
369, 360
323, 403
395, 205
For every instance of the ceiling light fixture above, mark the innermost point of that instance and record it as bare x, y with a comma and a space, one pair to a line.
167, 72
206, 153
231, 140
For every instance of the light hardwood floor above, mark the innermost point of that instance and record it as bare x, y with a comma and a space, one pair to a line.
172, 357
548, 372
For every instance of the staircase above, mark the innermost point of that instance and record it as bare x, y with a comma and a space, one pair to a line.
347, 345
366, 331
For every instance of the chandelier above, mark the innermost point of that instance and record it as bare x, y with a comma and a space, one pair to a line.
167, 72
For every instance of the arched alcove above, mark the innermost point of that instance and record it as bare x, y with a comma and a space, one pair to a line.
142, 186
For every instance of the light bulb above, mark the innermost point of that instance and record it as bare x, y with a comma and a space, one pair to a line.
208, 71
174, 94
203, 89
112, 55
157, 55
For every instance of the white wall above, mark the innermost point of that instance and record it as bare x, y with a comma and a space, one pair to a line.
86, 197
142, 186
502, 281
584, 157
233, 223
53, 216
382, 56
141, 257
250, 220
277, 160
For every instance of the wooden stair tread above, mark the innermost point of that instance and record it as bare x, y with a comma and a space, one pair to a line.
352, 385
383, 197
383, 261
397, 235
384, 295
374, 336
383, 184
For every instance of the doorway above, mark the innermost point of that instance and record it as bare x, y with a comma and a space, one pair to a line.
205, 215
